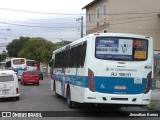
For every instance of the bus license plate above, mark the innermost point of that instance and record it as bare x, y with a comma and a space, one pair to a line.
118, 87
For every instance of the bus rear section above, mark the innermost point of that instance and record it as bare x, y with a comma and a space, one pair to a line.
18, 64
31, 64
120, 70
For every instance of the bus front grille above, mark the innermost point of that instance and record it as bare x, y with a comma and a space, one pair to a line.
123, 99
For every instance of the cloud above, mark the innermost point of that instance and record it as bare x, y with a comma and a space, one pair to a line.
61, 26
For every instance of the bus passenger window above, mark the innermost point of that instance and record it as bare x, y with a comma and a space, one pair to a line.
83, 54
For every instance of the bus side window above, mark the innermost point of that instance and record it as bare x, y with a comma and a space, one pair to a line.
56, 61
69, 56
72, 57
59, 60
66, 58
78, 56
83, 53
52, 66
62, 59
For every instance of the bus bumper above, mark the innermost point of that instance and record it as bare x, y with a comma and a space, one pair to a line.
125, 99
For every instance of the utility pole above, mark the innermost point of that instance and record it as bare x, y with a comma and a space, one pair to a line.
81, 19
82, 27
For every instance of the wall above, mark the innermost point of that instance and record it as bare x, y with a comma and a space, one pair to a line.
122, 18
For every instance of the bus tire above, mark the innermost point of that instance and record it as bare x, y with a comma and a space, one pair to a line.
69, 102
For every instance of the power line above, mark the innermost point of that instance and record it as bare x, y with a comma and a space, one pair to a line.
70, 26
47, 22
44, 36
36, 26
124, 13
16, 10
55, 35
72, 23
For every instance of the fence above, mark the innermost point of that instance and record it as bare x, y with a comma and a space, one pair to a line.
156, 81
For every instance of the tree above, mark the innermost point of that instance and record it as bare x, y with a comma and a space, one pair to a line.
37, 49
16, 45
3, 56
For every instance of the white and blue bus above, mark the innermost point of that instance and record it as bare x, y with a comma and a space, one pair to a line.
105, 68
16, 64
31, 64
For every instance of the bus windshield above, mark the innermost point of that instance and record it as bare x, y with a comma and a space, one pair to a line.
30, 63
121, 49
18, 61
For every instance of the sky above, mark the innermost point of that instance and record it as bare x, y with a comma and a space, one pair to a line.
54, 20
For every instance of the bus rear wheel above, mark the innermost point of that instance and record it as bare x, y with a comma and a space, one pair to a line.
69, 102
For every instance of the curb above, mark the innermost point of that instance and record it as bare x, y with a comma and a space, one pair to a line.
154, 105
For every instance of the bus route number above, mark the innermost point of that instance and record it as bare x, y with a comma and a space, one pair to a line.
125, 74
121, 74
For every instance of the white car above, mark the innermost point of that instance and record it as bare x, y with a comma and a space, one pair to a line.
9, 87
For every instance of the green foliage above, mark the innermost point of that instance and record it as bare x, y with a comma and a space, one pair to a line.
3, 56
16, 45
38, 49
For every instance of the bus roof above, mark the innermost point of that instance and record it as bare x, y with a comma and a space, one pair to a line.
30, 60
17, 58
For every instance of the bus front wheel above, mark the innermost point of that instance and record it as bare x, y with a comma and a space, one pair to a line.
69, 102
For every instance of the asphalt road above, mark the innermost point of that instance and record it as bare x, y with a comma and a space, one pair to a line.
41, 98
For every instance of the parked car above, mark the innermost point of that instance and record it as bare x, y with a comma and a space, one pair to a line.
9, 87
30, 77
40, 74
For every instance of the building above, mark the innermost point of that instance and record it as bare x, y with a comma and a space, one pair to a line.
125, 16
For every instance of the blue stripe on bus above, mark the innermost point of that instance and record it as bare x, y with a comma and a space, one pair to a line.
17, 69
106, 84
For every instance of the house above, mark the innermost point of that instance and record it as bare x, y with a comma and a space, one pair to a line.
125, 16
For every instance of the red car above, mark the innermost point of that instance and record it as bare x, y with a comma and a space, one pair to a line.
30, 77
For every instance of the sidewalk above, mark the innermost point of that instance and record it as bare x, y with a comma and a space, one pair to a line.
155, 100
